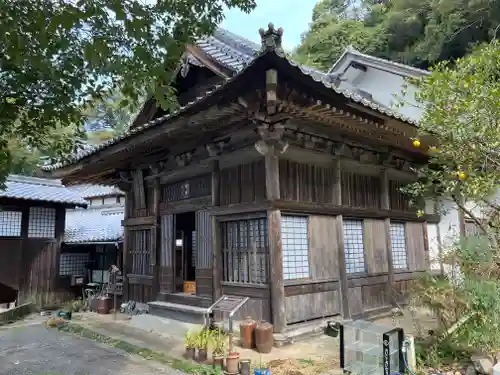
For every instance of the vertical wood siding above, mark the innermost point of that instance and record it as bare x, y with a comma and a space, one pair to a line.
243, 183
167, 238
204, 254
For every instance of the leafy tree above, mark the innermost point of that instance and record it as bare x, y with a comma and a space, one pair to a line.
416, 32
56, 56
461, 120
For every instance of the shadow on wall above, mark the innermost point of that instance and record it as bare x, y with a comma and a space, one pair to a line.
7, 294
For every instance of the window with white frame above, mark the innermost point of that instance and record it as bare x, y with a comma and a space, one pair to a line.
295, 247
42, 222
354, 249
398, 242
10, 223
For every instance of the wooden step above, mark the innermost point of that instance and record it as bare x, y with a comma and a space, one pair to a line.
181, 312
185, 299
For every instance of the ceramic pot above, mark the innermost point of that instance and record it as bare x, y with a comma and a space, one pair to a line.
232, 362
202, 355
190, 353
218, 361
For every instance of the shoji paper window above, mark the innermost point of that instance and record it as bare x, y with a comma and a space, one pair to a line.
42, 222
398, 241
354, 246
10, 223
295, 247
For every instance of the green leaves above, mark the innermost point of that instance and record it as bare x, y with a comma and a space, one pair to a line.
462, 113
58, 56
415, 32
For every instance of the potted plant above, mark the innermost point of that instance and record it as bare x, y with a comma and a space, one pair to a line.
202, 345
190, 345
219, 347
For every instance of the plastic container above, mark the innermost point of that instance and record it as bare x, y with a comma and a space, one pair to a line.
264, 339
247, 333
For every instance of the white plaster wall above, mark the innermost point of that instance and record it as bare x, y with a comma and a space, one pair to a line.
382, 86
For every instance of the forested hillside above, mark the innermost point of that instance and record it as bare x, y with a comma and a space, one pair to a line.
415, 32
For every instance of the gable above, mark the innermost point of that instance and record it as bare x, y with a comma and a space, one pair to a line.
205, 64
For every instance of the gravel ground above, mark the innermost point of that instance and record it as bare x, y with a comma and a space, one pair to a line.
36, 350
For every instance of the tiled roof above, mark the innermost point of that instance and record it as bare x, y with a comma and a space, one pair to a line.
94, 191
239, 54
40, 189
94, 225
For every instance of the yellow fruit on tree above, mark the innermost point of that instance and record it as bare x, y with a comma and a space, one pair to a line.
461, 175
416, 143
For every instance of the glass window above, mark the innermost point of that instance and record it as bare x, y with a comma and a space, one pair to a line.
294, 235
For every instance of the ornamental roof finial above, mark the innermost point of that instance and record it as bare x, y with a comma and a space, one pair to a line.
271, 39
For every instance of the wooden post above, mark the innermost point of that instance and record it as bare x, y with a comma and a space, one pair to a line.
216, 250
155, 236
337, 189
128, 201
385, 205
344, 286
275, 244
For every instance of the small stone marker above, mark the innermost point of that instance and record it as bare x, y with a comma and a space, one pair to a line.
483, 364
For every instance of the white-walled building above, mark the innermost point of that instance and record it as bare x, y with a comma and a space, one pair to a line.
382, 81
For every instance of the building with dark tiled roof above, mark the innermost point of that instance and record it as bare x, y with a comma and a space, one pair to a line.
32, 214
269, 182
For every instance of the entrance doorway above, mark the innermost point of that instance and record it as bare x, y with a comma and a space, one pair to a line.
184, 249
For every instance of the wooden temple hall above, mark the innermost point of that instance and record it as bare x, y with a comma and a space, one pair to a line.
272, 184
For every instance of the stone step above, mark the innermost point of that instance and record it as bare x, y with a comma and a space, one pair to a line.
180, 312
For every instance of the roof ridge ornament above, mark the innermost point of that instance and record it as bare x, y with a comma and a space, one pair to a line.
271, 38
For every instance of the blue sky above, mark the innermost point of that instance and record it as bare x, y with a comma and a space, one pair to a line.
292, 15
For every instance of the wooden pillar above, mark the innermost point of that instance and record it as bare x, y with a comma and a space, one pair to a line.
155, 236
275, 244
337, 190
385, 205
126, 232
216, 250
339, 229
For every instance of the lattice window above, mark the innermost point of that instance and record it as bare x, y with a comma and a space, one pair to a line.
354, 246
10, 223
398, 241
42, 222
245, 251
73, 264
294, 235
140, 252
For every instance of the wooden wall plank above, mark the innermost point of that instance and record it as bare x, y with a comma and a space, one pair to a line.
375, 246
323, 248
415, 244
305, 307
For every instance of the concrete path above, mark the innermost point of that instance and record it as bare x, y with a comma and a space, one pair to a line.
36, 350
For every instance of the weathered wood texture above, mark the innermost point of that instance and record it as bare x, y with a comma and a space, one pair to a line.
309, 301
204, 254
317, 184
259, 304
243, 183
418, 252
31, 265
166, 256
323, 248
199, 186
